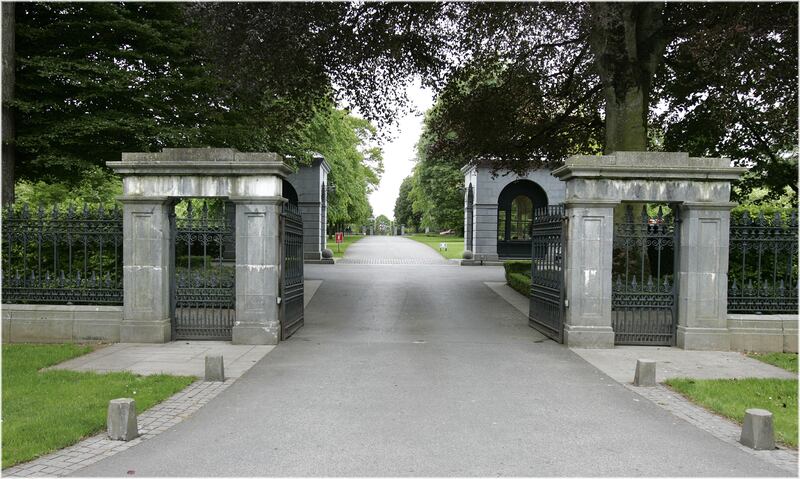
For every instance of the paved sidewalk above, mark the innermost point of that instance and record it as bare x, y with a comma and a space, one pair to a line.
620, 363
180, 358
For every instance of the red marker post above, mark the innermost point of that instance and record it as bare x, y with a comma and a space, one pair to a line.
339, 240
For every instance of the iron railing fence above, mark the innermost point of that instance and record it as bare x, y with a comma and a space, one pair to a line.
762, 266
59, 255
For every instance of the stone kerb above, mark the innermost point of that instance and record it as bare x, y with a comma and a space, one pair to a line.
594, 186
152, 182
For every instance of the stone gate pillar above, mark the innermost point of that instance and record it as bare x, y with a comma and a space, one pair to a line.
151, 183
310, 183
258, 256
147, 264
700, 187
587, 272
704, 248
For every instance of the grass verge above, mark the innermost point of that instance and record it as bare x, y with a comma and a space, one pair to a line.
787, 361
49, 410
731, 397
342, 247
455, 244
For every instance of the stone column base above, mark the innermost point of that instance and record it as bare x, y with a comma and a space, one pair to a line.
319, 261
312, 255
589, 337
704, 339
257, 334
132, 331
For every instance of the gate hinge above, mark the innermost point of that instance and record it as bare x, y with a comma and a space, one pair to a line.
566, 303
277, 300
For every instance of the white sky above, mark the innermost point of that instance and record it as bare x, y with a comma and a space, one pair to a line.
398, 155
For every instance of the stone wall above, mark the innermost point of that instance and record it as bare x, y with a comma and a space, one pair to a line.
44, 323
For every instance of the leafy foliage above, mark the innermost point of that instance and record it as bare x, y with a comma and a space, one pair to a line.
347, 143
96, 79
531, 88
96, 186
436, 186
404, 206
728, 87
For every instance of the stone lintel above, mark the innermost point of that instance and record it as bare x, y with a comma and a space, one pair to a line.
572, 204
644, 165
259, 200
200, 162
699, 205
143, 199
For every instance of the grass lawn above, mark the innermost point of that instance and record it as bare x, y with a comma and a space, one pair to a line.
730, 398
787, 361
348, 240
45, 411
455, 244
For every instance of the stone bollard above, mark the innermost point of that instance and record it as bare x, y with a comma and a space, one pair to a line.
757, 432
645, 373
215, 369
121, 421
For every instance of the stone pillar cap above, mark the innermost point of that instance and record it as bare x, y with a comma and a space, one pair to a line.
201, 162
655, 165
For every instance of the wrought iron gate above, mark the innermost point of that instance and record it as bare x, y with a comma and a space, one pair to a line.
291, 309
644, 298
546, 313
203, 283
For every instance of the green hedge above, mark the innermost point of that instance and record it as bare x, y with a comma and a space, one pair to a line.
518, 275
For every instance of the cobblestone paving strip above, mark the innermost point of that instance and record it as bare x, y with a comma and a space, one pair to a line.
152, 422
720, 427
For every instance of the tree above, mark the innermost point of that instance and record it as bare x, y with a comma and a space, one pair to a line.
9, 28
347, 144
544, 81
404, 205
96, 79
436, 186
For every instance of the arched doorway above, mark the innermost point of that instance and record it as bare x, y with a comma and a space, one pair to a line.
289, 192
515, 207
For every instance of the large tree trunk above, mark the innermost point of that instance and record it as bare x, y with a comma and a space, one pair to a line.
628, 41
8, 153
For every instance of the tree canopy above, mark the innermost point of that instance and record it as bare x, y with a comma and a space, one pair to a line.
520, 84
548, 80
404, 205
96, 79
356, 163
